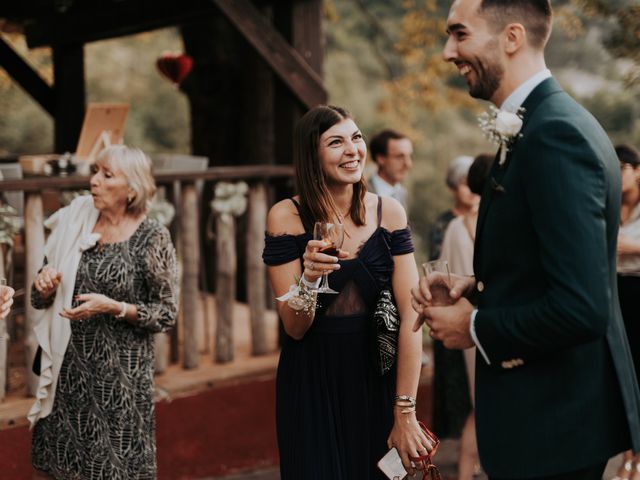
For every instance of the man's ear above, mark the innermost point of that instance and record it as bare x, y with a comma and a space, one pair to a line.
516, 37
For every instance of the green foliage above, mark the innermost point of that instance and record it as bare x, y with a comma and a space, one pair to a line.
123, 70
616, 112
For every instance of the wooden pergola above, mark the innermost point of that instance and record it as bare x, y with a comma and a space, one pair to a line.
285, 35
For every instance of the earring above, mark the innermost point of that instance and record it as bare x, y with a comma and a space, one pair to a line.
129, 199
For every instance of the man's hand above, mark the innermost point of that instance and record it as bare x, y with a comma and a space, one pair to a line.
450, 324
421, 297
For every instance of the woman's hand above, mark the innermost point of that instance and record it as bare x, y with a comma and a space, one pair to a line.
92, 304
409, 439
6, 300
627, 246
316, 263
47, 281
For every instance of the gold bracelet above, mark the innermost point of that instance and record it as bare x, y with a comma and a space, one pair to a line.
406, 398
405, 401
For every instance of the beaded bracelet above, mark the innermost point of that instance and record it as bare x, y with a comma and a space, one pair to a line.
401, 399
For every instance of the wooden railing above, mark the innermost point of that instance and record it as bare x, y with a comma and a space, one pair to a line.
186, 233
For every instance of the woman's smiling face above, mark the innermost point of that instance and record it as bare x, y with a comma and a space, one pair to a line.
342, 153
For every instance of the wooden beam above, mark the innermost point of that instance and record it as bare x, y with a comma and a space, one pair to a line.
247, 173
119, 19
286, 62
25, 76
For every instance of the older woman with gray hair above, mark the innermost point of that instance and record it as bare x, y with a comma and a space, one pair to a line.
108, 284
463, 199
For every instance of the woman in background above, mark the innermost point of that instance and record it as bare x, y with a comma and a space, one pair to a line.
457, 250
629, 273
451, 399
336, 414
107, 286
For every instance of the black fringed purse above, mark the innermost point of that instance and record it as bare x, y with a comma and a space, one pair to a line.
387, 324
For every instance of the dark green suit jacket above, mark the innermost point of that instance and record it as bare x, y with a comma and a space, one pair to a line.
560, 393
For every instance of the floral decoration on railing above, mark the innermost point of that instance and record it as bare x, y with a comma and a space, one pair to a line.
9, 224
230, 200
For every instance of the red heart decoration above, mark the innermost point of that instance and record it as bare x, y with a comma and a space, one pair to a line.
174, 66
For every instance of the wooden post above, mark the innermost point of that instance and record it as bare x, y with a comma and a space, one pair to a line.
191, 301
225, 286
255, 266
161, 352
34, 233
4, 339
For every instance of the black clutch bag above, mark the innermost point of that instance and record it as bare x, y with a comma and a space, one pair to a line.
387, 322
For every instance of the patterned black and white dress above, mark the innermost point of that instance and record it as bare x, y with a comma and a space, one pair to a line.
102, 425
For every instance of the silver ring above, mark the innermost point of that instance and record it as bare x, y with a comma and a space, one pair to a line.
312, 266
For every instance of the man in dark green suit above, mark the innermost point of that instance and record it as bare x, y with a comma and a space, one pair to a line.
556, 395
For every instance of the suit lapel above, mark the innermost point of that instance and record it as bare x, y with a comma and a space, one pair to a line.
497, 173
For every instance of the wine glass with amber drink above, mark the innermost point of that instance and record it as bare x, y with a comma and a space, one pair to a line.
333, 235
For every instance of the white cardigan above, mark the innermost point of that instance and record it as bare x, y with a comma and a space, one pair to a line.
71, 234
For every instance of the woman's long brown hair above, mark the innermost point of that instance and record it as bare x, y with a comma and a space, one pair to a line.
316, 202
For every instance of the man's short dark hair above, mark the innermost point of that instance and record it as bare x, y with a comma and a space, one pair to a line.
479, 171
534, 15
379, 143
628, 154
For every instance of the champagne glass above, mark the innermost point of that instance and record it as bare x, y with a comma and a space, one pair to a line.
333, 235
439, 280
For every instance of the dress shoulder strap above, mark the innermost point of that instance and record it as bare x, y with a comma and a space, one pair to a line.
379, 210
305, 218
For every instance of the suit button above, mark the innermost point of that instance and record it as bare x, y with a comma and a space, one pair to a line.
480, 287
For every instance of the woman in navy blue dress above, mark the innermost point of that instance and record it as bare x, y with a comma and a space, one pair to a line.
336, 414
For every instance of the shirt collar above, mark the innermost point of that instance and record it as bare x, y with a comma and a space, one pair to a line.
382, 185
520, 94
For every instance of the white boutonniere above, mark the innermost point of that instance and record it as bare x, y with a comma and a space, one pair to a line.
502, 128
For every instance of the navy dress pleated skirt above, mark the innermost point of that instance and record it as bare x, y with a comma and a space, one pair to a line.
334, 411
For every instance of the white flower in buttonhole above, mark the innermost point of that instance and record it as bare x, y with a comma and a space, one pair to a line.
502, 128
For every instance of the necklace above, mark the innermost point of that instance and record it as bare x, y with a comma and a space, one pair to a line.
341, 218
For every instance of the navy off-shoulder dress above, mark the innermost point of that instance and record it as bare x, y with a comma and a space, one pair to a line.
334, 412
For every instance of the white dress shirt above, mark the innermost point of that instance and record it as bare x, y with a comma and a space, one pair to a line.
383, 188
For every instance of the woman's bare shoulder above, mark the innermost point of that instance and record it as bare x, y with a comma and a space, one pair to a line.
394, 216
283, 218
